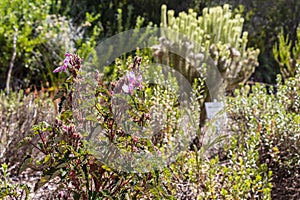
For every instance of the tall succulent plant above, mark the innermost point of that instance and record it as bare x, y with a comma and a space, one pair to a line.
215, 38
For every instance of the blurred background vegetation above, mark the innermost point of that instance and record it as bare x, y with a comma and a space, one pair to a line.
57, 26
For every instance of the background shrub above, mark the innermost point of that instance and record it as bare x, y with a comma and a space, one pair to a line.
275, 113
18, 113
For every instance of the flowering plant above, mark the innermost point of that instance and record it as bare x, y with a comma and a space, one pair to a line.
65, 65
133, 82
67, 152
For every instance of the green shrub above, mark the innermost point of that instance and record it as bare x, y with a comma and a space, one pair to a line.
275, 117
287, 55
9, 190
40, 38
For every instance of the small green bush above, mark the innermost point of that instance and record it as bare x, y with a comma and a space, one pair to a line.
9, 190
273, 114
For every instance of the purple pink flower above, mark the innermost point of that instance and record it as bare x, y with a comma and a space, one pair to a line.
133, 82
65, 65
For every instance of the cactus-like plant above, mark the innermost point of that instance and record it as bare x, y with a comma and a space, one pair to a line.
216, 37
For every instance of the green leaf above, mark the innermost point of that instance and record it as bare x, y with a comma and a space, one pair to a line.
25, 163
44, 179
47, 158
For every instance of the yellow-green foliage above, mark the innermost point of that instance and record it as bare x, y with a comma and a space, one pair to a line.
41, 38
286, 55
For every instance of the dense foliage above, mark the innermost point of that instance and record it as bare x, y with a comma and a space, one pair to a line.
273, 115
32, 42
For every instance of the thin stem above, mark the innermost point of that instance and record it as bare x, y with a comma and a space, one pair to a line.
41, 150
44, 143
11, 64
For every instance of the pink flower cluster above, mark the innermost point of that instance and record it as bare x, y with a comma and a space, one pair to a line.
133, 82
65, 65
